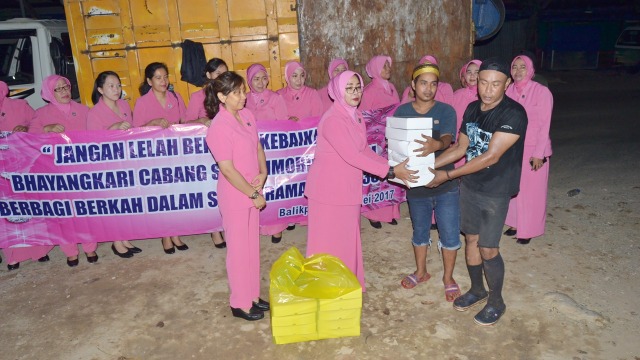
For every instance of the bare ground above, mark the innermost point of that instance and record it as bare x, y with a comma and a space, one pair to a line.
571, 294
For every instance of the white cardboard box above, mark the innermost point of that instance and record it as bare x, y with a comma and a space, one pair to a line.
410, 123
406, 135
424, 175
405, 148
414, 160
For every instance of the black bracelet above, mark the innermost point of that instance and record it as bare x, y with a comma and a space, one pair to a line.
447, 172
391, 174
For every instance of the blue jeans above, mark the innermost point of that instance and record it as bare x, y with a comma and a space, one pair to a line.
447, 208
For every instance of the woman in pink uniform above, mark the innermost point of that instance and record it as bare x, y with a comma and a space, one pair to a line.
15, 116
336, 66
444, 93
301, 100
195, 111
159, 106
527, 211
234, 144
110, 112
334, 183
263, 103
467, 94
63, 114
378, 94
197, 114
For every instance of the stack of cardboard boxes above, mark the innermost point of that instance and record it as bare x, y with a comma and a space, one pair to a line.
401, 134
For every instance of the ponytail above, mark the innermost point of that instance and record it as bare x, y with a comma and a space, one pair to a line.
225, 83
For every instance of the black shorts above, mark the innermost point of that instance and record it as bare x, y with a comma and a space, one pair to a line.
483, 215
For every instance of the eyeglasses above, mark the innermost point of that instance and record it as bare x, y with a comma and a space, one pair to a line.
353, 90
62, 88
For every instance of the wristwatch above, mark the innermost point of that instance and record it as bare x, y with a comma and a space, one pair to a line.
254, 195
391, 174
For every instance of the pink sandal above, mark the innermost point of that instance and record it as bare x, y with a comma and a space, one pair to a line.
451, 292
410, 281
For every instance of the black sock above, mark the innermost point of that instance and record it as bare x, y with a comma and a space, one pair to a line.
494, 271
477, 282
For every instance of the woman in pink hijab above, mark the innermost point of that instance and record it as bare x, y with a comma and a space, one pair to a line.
380, 92
15, 116
334, 183
63, 114
264, 103
443, 94
336, 66
467, 94
301, 100
527, 211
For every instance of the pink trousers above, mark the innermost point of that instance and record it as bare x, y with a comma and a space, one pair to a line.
385, 214
16, 255
71, 250
335, 230
241, 228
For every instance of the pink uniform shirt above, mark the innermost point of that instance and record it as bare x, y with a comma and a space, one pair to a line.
13, 112
379, 92
265, 105
148, 108
230, 140
101, 117
342, 152
300, 103
196, 110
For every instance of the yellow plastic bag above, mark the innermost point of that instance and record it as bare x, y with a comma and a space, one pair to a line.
314, 298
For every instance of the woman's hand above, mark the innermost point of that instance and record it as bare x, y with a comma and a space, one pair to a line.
122, 125
20, 128
293, 118
56, 128
258, 182
162, 122
405, 174
259, 202
536, 163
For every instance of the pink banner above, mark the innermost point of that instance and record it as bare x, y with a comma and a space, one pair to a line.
96, 186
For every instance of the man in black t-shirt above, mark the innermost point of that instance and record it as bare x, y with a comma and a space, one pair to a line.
492, 137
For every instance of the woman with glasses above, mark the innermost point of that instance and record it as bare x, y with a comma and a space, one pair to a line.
15, 116
159, 106
378, 94
60, 115
334, 183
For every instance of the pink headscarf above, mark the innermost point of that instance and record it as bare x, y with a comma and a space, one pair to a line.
463, 71
428, 58
47, 92
253, 70
335, 63
374, 67
520, 85
4, 91
337, 90
289, 69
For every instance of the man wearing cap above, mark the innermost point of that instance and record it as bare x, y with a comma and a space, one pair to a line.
445, 198
492, 137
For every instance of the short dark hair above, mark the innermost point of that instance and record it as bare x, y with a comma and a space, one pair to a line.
214, 64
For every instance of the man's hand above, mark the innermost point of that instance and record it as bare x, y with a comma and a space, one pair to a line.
429, 145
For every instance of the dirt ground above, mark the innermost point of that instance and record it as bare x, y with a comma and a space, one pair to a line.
571, 294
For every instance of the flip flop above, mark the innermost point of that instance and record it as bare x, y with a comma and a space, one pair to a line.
410, 281
451, 292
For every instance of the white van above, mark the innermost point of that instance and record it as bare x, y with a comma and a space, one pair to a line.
628, 48
31, 50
